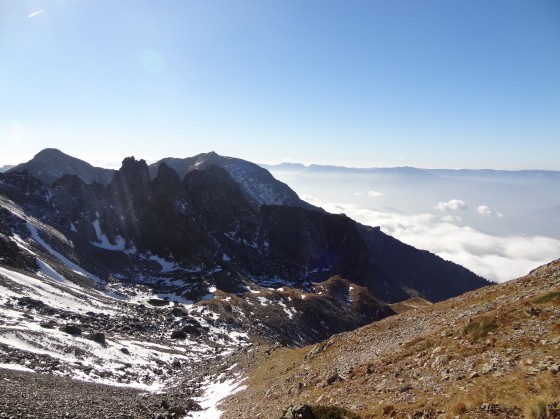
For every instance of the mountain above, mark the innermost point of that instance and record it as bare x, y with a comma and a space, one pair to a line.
490, 353
50, 164
257, 184
199, 216
5, 168
170, 279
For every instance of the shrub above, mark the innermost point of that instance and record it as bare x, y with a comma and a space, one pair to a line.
479, 328
458, 407
536, 410
332, 412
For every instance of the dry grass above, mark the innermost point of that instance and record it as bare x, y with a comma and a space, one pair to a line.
474, 399
458, 408
551, 297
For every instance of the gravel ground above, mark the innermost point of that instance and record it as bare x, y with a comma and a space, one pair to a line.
32, 395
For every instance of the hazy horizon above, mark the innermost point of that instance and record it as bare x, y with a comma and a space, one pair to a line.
115, 163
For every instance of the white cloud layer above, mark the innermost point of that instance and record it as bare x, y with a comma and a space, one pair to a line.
498, 258
452, 205
374, 194
488, 212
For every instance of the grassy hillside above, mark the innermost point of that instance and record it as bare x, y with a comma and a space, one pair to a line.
494, 352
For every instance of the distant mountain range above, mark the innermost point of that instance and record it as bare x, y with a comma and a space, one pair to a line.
416, 172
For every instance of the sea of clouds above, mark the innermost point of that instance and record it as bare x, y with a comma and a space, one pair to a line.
498, 258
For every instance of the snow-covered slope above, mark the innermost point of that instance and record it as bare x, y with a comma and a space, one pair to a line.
59, 320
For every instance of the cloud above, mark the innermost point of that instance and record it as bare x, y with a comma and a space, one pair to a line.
451, 218
452, 205
488, 212
374, 194
38, 12
498, 258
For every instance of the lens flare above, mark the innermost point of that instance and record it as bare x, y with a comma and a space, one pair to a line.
152, 61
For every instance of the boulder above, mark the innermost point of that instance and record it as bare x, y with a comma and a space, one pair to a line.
98, 337
178, 334
300, 411
71, 329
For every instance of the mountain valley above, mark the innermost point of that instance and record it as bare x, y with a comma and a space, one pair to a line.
188, 280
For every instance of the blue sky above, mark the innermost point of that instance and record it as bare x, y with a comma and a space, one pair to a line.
429, 83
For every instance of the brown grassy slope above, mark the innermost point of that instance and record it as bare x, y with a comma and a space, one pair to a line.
493, 352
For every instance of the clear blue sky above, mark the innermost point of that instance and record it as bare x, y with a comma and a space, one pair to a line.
446, 83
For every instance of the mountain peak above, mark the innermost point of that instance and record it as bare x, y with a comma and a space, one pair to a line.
50, 164
50, 152
257, 184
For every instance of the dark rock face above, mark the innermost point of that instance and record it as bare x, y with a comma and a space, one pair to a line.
214, 195
129, 192
304, 240
432, 277
178, 334
11, 256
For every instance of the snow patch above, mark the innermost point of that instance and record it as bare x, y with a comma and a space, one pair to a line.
104, 243
166, 265
214, 392
263, 301
80, 271
289, 311
15, 367
49, 271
